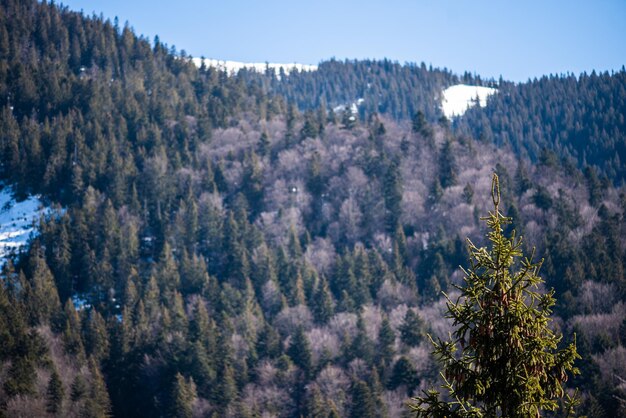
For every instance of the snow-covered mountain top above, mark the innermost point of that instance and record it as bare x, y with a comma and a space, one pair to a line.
457, 99
17, 221
234, 66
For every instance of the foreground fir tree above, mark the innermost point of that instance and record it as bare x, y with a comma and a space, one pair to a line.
503, 358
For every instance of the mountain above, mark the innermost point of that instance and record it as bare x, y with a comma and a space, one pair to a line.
226, 244
579, 118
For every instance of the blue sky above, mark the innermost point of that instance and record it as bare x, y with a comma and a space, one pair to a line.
515, 39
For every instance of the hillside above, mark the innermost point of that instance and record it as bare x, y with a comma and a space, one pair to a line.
224, 244
578, 118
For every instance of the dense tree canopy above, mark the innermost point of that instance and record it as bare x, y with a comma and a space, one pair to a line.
224, 245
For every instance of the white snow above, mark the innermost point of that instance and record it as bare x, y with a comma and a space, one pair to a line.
354, 106
80, 302
232, 67
17, 221
457, 99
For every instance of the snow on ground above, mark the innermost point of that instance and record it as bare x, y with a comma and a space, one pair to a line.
354, 107
457, 99
232, 67
17, 221
80, 302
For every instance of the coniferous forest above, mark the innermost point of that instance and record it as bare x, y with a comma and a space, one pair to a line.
246, 245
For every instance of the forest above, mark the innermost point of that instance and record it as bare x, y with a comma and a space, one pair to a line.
246, 245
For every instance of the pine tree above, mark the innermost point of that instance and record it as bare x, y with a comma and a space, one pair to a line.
264, 144
447, 165
392, 193
315, 405
78, 389
225, 391
412, 329
55, 393
227, 387
42, 297
252, 183
300, 351
322, 308
363, 405
386, 342
97, 404
183, 395
311, 125
403, 374
508, 364
419, 124
362, 346
348, 119
380, 407
71, 331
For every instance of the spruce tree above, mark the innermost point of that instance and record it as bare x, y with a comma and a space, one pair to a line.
509, 364
97, 402
412, 329
54, 393
78, 388
403, 374
386, 342
183, 394
392, 194
362, 346
363, 405
420, 125
300, 351
322, 308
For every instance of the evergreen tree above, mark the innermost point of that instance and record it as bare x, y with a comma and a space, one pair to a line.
363, 405
42, 297
362, 346
78, 389
323, 308
509, 364
412, 329
183, 395
392, 193
419, 124
97, 404
380, 407
348, 119
54, 394
403, 374
225, 391
264, 144
311, 126
300, 351
447, 165
315, 405
386, 342
252, 184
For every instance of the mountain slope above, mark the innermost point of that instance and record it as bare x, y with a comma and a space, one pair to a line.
225, 252
579, 118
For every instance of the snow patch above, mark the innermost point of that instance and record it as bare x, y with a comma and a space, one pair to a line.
457, 99
17, 221
80, 302
354, 106
232, 67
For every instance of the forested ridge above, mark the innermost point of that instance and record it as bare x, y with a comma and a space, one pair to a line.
230, 246
579, 118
